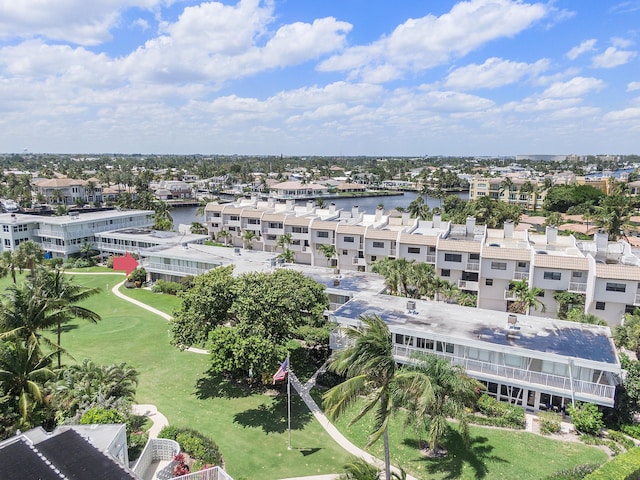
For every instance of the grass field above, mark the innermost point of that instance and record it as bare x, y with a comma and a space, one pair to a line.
251, 429
493, 453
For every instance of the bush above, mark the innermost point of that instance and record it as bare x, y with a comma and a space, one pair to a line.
632, 430
135, 444
498, 414
623, 467
621, 438
576, 473
138, 275
169, 288
549, 422
110, 262
201, 448
101, 415
587, 418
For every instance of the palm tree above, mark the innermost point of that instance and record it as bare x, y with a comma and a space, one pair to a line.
86, 249
329, 251
526, 297
446, 290
224, 235
248, 236
627, 335
371, 370
284, 241
288, 256
452, 392
418, 209
28, 255
23, 372
65, 295
8, 265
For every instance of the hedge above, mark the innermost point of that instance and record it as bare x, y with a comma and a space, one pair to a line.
194, 443
625, 466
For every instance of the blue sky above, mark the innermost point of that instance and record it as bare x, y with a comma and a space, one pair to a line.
329, 77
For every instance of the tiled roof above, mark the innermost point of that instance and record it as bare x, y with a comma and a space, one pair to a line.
561, 261
273, 217
298, 221
459, 246
618, 272
412, 239
250, 213
506, 253
382, 234
59, 182
353, 229
324, 225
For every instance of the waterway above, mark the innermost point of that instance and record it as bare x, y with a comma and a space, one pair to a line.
187, 215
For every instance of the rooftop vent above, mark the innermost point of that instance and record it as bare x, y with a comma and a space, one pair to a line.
411, 306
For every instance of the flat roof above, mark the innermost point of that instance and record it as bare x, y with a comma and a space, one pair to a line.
65, 219
473, 326
150, 235
347, 281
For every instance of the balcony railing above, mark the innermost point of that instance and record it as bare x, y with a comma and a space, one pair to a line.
468, 285
484, 370
576, 287
156, 450
521, 275
472, 266
431, 259
174, 269
358, 261
636, 300
510, 295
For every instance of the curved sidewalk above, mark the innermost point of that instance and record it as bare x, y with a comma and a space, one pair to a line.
151, 411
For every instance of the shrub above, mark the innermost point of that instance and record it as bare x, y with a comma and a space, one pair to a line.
623, 467
549, 422
198, 446
499, 414
587, 418
620, 438
632, 430
110, 262
101, 415
169, 432
169, 288
135, 443
138, 275
576, 473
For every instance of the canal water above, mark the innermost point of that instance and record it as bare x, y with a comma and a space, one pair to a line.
187, 215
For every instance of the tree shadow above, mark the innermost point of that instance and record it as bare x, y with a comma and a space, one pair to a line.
66, 327
214, 385
477, 455
273, 418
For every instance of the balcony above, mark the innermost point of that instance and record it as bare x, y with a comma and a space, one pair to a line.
520, 275
604, 394
431, 259
177, 270
472, 267
636, 300
510, 295
576, 287
468, 285
359, 261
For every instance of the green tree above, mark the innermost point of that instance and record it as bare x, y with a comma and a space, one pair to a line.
64, 295
418, 209
627, 335
28, 255
525, 297
224, 235
23, 371
204, 306
248, 236
8, 265
560, 198
451, 393
329, 251
372, 372
284, 241
359, 469
568, 301
613, 215
288, 256
553, 219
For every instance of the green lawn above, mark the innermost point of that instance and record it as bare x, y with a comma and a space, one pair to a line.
164, 303
250, 429
493, 453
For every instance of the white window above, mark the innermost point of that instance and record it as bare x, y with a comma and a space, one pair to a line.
498, 265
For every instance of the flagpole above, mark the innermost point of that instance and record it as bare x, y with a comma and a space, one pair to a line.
289, 400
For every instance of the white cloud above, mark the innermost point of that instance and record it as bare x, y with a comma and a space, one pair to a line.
493, 73
621, 42
623, 115
576, 87
584, 47
140, 23
78, 21
633, 86
419, 44
612, 57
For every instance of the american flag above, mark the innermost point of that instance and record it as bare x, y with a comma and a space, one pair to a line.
281, 374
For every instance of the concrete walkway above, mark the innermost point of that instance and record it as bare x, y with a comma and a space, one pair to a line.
151, 411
